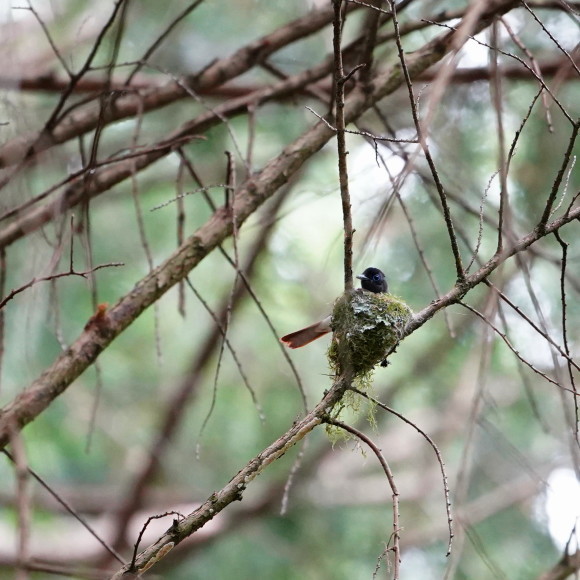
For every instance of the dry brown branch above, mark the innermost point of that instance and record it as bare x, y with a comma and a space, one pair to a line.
229, 493
127, 104
390, 478
52, 83
251, 194
226, 221
339, 81
85, 274
568, 565
444, 477
235, 488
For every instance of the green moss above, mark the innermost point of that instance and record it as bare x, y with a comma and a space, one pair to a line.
367, 327
352, 402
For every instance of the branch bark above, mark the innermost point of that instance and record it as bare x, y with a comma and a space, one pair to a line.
233, 489
128, 104
251, 194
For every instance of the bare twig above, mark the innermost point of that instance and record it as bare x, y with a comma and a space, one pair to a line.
85, 274
435, 449
339, 82
423, 141
497, 99
564, 303
534, 63
244, 278
541, 332
161, 38
66, 506
371, 136
395, 493
513, 349
49, 38
551, 36
560, 176
144, 527
224, 342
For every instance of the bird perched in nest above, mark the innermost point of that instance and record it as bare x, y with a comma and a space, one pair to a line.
372, 280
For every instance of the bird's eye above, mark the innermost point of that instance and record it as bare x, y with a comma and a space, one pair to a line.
377, 278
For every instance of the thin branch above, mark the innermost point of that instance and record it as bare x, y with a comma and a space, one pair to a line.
389, 474
225, 342
560, 176
49, 38
374, 8
244, 278
67, 507
512, 348
525, 317
85, 274
534, 64
235, 488
161, 38
532, 73
375, 138
339, 82
551, 36
53, 119
435, 449
144, 527
564, 304
480, 222
497, 99
425, 147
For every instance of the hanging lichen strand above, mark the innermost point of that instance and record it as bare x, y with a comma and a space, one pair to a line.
367, 327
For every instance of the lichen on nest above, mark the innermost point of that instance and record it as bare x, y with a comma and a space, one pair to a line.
366, 328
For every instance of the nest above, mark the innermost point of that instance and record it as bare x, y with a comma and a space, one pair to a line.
367, 327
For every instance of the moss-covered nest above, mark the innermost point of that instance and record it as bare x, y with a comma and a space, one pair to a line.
366, 328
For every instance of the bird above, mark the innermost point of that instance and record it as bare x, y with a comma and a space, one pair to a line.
372, 280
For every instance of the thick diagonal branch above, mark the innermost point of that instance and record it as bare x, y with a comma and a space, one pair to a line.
98, 334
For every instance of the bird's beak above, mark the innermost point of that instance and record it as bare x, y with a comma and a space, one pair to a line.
362, 277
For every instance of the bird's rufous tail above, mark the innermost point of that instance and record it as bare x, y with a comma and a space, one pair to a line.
307, 335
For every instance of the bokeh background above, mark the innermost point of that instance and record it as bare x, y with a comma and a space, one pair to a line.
508, 437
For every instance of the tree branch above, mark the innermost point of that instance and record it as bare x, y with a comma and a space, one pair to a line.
339, 81
128, 104
235, 488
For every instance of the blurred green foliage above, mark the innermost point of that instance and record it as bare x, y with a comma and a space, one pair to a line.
497, 423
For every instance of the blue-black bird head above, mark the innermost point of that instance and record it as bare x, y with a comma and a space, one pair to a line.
373, 280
